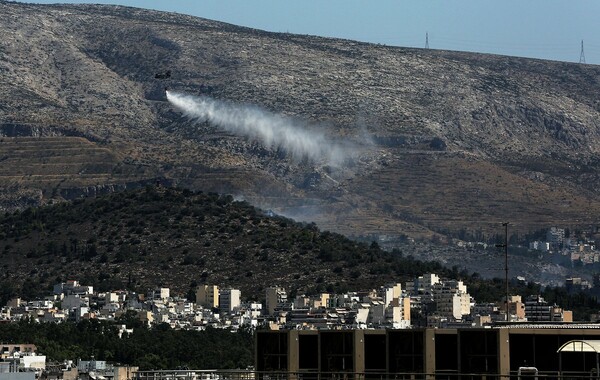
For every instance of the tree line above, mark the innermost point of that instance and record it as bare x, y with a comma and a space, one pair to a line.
159, 347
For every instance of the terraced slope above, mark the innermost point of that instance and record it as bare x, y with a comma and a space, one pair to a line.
64, 167
71, 160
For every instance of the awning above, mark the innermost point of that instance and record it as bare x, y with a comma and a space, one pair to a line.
580, 346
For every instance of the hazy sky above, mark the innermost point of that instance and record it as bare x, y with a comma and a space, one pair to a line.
548, 29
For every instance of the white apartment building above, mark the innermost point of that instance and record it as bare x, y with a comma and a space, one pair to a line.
451, 299
72, 287
160, 294
386, 294
31, 360
422, 284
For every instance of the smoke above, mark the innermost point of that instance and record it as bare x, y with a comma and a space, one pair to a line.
271, 130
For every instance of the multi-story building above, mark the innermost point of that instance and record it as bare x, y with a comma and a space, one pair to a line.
404, 305
451, 299
492, 352
577, 283
72, 287
537, 309
488, 308
376, 313
516, 308
301, 302
555, 236
159, 294
229, 300
73, 301
320, 301
560, 315
9, 370
208, 296
9, 350
275, 298
390, 292
422, 283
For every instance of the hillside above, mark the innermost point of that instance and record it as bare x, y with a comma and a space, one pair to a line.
160, 236
443, 141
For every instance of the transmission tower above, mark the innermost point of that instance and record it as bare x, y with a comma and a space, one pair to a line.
427, 41
582, 54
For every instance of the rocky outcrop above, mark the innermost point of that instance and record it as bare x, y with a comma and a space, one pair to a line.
93, 191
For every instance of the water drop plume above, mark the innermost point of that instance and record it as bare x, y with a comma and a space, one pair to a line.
271, 130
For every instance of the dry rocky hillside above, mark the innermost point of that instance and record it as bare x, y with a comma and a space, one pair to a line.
443, 141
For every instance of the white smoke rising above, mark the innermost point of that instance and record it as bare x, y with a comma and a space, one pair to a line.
271, 130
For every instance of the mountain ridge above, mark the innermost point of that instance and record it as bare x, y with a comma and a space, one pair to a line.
451, 140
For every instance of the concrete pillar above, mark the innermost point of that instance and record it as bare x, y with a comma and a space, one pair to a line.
293, 363
359, 353
503, 352
429, 354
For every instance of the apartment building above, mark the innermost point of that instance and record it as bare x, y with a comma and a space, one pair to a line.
275, 298
229, 300
208, 296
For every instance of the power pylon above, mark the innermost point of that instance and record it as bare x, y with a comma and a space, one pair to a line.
582, 54
427, 40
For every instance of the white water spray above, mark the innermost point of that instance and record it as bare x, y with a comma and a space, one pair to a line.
271, 130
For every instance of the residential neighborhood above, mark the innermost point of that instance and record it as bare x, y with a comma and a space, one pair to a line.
573, 251
425, 301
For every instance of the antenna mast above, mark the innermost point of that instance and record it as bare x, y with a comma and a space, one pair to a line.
505, 246
427, 41
582, 54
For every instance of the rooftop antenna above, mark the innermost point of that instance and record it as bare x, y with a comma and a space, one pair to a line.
582, 54
427, 43
505, 246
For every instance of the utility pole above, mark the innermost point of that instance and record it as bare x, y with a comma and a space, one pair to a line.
582, 54
505, 246
427, 41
